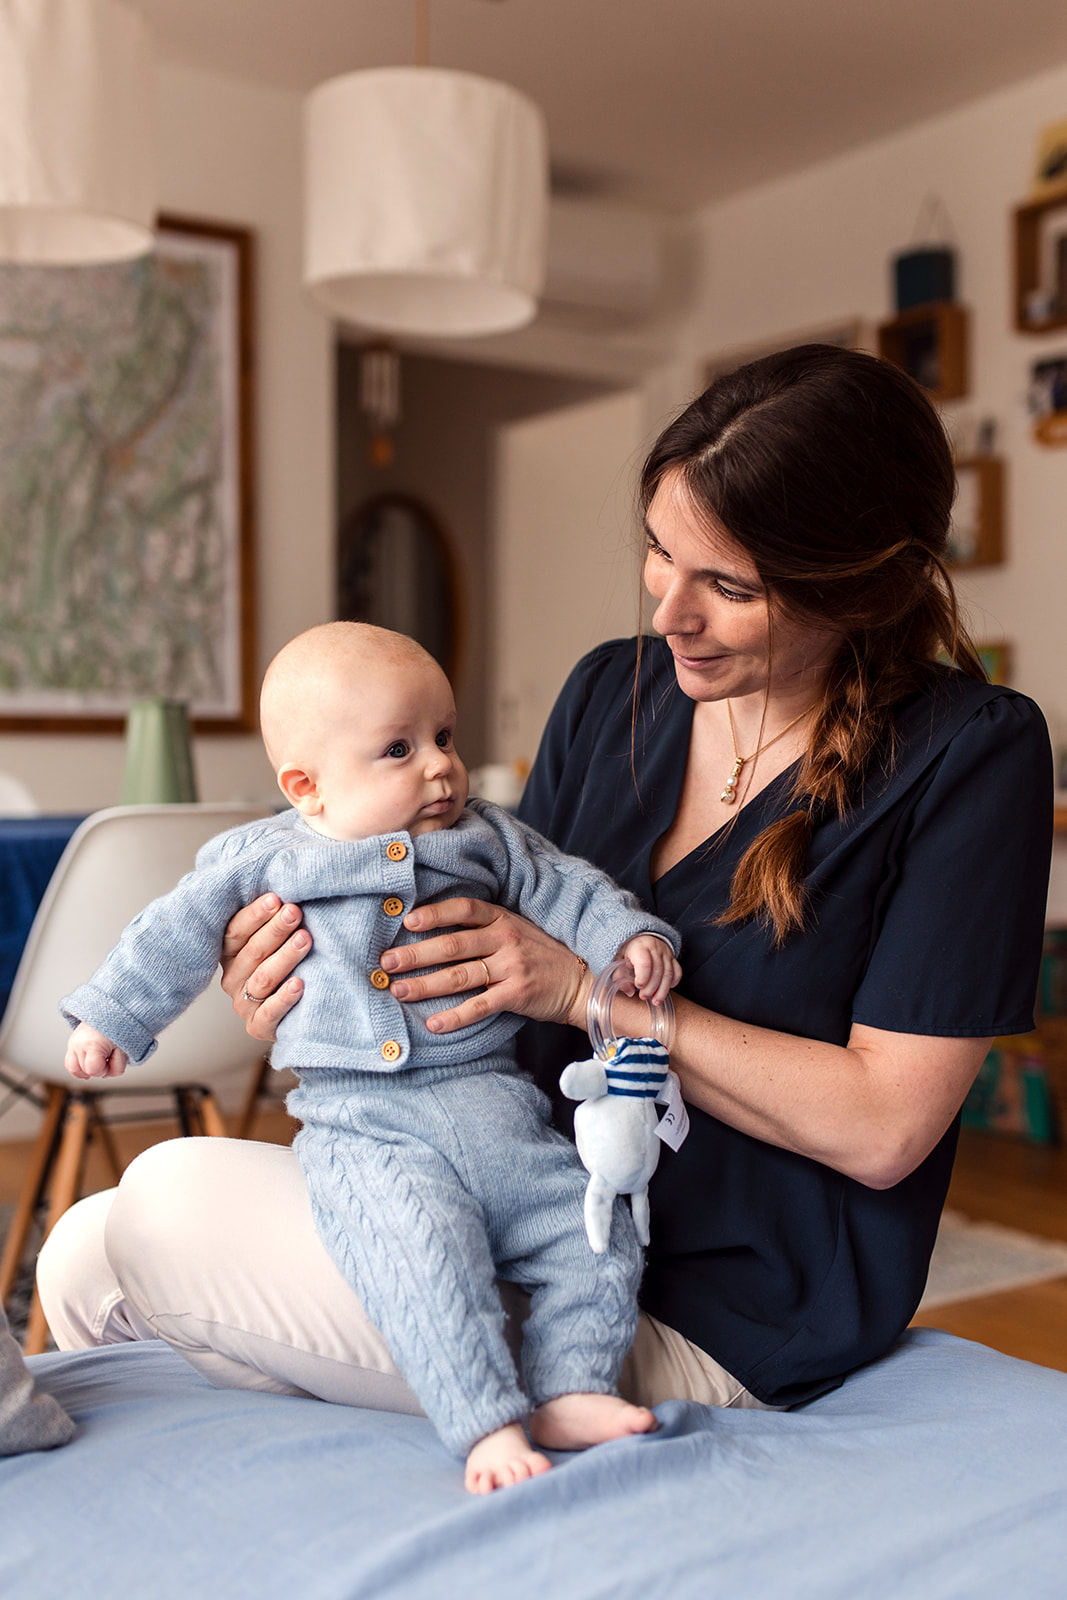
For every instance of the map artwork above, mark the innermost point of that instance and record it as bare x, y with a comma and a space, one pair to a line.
119, 504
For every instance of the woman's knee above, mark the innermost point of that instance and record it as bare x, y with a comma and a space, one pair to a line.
190, 1211
78, 1288
214, 1242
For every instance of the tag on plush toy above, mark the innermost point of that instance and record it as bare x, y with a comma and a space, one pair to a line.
673, 1126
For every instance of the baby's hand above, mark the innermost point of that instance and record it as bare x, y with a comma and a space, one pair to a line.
90, 1055
655, 970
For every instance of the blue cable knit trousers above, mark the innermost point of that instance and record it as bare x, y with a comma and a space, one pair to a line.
428, 1185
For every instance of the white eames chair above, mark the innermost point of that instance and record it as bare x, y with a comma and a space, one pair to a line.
116, 862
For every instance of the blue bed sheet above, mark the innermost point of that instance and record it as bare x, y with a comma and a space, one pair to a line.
938, 1472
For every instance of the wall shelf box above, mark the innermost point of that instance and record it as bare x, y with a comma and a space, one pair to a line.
976, 537
1041, 265
929, 343
923, 276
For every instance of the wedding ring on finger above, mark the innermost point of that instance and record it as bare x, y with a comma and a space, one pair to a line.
485, 969
251, 998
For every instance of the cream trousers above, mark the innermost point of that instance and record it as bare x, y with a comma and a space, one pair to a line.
210, 1245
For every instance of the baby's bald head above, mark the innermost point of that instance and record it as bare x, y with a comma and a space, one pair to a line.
315, 682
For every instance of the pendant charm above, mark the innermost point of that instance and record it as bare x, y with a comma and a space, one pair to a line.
729, 794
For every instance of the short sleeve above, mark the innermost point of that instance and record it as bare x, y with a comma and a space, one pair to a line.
957, 940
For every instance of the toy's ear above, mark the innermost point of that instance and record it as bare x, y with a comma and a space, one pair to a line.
300, 789
584, 1080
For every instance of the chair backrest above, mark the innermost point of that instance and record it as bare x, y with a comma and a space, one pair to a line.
116, 862
15, 799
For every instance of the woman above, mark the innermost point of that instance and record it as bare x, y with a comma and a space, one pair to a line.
854, 842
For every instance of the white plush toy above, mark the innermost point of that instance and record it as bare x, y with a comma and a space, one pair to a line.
616, 1128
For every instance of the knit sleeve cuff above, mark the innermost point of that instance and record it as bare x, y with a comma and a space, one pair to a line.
99, 1009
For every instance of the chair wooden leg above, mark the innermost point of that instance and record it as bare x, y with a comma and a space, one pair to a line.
211, 1116
69, 1161
64, 1193
36, 1329
107, 1143
251, 1106
31, 1188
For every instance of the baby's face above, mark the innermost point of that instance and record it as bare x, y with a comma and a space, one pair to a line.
389, 765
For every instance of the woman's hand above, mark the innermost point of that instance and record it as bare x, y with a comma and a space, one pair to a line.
522, 968
262, 945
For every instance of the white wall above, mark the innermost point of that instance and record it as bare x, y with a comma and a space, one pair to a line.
565, 568
815, 248
231, 152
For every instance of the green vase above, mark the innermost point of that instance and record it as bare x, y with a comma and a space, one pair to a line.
159, 754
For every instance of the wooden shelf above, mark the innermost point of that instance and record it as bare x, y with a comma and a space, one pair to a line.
980, 544
1032, 274
929, 343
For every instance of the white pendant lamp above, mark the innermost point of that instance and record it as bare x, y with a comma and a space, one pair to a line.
77, 132
427, 201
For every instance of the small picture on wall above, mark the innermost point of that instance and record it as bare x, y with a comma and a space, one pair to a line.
1050, 163
1048, 399
976, 533
996, 659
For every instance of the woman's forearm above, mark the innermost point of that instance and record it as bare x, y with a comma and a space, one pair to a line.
872, 1109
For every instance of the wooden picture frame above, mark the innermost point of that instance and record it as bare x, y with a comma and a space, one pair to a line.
996, 657
1048, 399
976, 536
930, 343
127, 558
1041, 265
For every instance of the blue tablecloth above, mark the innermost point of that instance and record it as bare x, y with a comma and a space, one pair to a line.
29, 850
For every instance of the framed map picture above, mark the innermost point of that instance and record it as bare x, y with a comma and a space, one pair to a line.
126, 535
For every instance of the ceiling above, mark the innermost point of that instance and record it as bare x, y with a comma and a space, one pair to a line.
672, 103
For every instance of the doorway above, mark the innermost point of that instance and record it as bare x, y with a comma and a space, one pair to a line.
443, 466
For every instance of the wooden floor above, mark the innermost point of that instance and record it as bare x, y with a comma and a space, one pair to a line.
996, 1180
1020, 1186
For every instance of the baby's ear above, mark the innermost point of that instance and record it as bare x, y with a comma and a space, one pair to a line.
300, 789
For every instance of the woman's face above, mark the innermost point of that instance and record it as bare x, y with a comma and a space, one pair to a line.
714, 611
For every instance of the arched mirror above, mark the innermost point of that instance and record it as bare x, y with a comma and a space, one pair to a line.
395, 568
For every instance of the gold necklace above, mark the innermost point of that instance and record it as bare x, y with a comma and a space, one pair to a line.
729, 794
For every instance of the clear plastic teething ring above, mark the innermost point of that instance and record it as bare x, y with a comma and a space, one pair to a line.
619, 979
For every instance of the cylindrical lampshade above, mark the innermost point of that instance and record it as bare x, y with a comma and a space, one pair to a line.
427, 201
77, 131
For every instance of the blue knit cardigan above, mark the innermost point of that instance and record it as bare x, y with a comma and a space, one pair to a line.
354, 896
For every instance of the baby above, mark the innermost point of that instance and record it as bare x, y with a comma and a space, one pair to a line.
428, 1156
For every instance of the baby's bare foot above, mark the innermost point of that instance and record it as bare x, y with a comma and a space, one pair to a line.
576, 1421
503, 1458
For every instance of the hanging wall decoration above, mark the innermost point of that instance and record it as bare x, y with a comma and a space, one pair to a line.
126, 564
1047, 398
928, 336
1040, 228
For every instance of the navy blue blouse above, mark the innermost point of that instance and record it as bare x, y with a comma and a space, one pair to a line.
926, 916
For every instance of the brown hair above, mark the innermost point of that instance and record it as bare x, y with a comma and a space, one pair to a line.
831, 469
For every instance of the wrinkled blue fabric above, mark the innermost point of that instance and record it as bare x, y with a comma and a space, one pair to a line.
937, 1473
